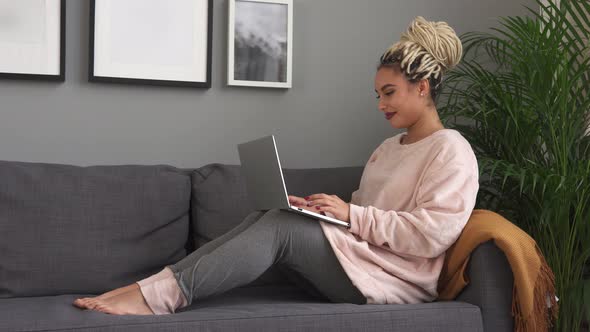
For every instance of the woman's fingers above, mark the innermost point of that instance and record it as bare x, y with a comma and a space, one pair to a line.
322, 197
319, 201
322, 203
297, 200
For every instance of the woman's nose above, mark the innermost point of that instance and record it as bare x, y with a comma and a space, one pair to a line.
381, 105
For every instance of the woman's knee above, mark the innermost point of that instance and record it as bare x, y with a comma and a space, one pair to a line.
253, 217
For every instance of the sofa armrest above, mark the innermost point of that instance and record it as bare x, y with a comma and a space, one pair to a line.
490, 287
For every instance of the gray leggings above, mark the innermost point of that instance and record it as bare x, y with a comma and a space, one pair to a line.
296, 244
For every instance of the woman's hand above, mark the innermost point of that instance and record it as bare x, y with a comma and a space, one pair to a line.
300, 203
329, 203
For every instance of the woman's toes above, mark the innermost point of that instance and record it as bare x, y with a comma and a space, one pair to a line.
90, 303
82, 302
78, 303
128, 303
100, 308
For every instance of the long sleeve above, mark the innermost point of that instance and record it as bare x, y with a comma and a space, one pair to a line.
444, 202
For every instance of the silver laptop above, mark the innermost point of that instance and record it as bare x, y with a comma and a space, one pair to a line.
265, 182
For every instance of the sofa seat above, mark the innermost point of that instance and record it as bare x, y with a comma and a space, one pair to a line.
250, 308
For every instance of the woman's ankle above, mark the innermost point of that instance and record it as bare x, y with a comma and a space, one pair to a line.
162, 293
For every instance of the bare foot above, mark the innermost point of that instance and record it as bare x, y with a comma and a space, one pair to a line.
130, 302
83, 303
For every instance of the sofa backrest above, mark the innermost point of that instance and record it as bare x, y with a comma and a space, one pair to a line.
85, 230
70, 229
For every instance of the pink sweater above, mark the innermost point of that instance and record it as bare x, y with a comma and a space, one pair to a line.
412, 203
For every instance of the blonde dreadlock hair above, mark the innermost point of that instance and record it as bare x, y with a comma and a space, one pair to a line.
425, 51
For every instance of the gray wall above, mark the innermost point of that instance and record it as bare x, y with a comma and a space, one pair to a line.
328, 118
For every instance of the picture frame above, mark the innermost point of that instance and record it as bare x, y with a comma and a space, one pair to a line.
153, 42
260, 43
33, 40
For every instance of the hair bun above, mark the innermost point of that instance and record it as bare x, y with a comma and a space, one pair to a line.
438, 39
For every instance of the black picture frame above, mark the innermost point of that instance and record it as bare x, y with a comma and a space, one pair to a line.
62, 56
92, 77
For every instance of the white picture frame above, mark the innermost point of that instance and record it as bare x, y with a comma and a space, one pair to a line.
154, 42
32, 40
257, 33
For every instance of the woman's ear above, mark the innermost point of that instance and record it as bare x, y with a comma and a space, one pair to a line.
424, 88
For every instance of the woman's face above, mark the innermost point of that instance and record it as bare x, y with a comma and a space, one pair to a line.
399, 99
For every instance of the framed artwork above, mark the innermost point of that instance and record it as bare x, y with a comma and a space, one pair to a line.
32, 39
156, 42
260, 43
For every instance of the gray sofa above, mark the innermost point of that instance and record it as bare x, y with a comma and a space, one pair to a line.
69, 231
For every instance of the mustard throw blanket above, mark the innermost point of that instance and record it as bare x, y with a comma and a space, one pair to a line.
534, 282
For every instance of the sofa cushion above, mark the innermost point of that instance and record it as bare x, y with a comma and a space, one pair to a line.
70, 229
266, 308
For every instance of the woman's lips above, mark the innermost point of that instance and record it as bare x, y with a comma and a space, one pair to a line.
389, 115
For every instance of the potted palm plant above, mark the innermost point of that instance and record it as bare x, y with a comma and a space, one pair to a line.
521, 96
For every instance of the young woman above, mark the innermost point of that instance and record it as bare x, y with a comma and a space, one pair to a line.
417, 192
